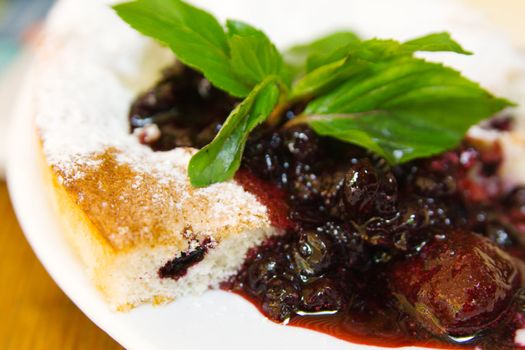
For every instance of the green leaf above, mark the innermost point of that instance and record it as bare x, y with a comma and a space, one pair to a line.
324, 50
375, 50
363, 55
253, 55
242, 28
219, 160
326, 77
403, 109
435, 42
195, 36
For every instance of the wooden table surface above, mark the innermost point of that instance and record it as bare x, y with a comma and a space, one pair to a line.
35, 314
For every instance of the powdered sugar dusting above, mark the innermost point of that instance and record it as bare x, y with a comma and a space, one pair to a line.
86, 78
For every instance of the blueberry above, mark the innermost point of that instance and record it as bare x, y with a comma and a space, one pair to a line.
360, 189
322, 295
260, 272
312, 254
349, 248
369, 191
281, 300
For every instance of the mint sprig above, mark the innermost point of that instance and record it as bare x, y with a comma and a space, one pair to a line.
434, 42
373, 93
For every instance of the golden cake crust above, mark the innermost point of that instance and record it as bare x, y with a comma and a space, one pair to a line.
129, 208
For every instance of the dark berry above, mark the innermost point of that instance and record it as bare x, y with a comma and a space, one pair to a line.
260, 272
182, 105
386, 198
369, 191
378, 231
302, 143
264, 155
321, 295
312, 255
349, 247
360, 189
281, 300
304, 187
179, 266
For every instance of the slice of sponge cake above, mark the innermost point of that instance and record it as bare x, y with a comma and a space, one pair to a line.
144, 233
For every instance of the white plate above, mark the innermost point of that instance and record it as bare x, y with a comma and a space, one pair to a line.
216, 319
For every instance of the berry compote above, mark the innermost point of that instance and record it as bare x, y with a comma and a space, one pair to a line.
426, 253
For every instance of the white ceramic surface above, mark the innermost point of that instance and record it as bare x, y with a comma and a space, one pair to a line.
216, 319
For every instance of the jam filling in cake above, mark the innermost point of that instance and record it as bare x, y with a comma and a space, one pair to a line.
426, 253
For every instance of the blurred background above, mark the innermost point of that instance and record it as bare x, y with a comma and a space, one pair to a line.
35, 314
19, 24
17, 19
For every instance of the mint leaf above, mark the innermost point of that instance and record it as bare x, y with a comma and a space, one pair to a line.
219, 160
324, 50
253, 55
361, 55
403, 109
376, 50
195, 36
243, 29
326, 77
435, 42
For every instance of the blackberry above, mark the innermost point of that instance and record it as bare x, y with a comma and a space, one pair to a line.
302, 143
264, 157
